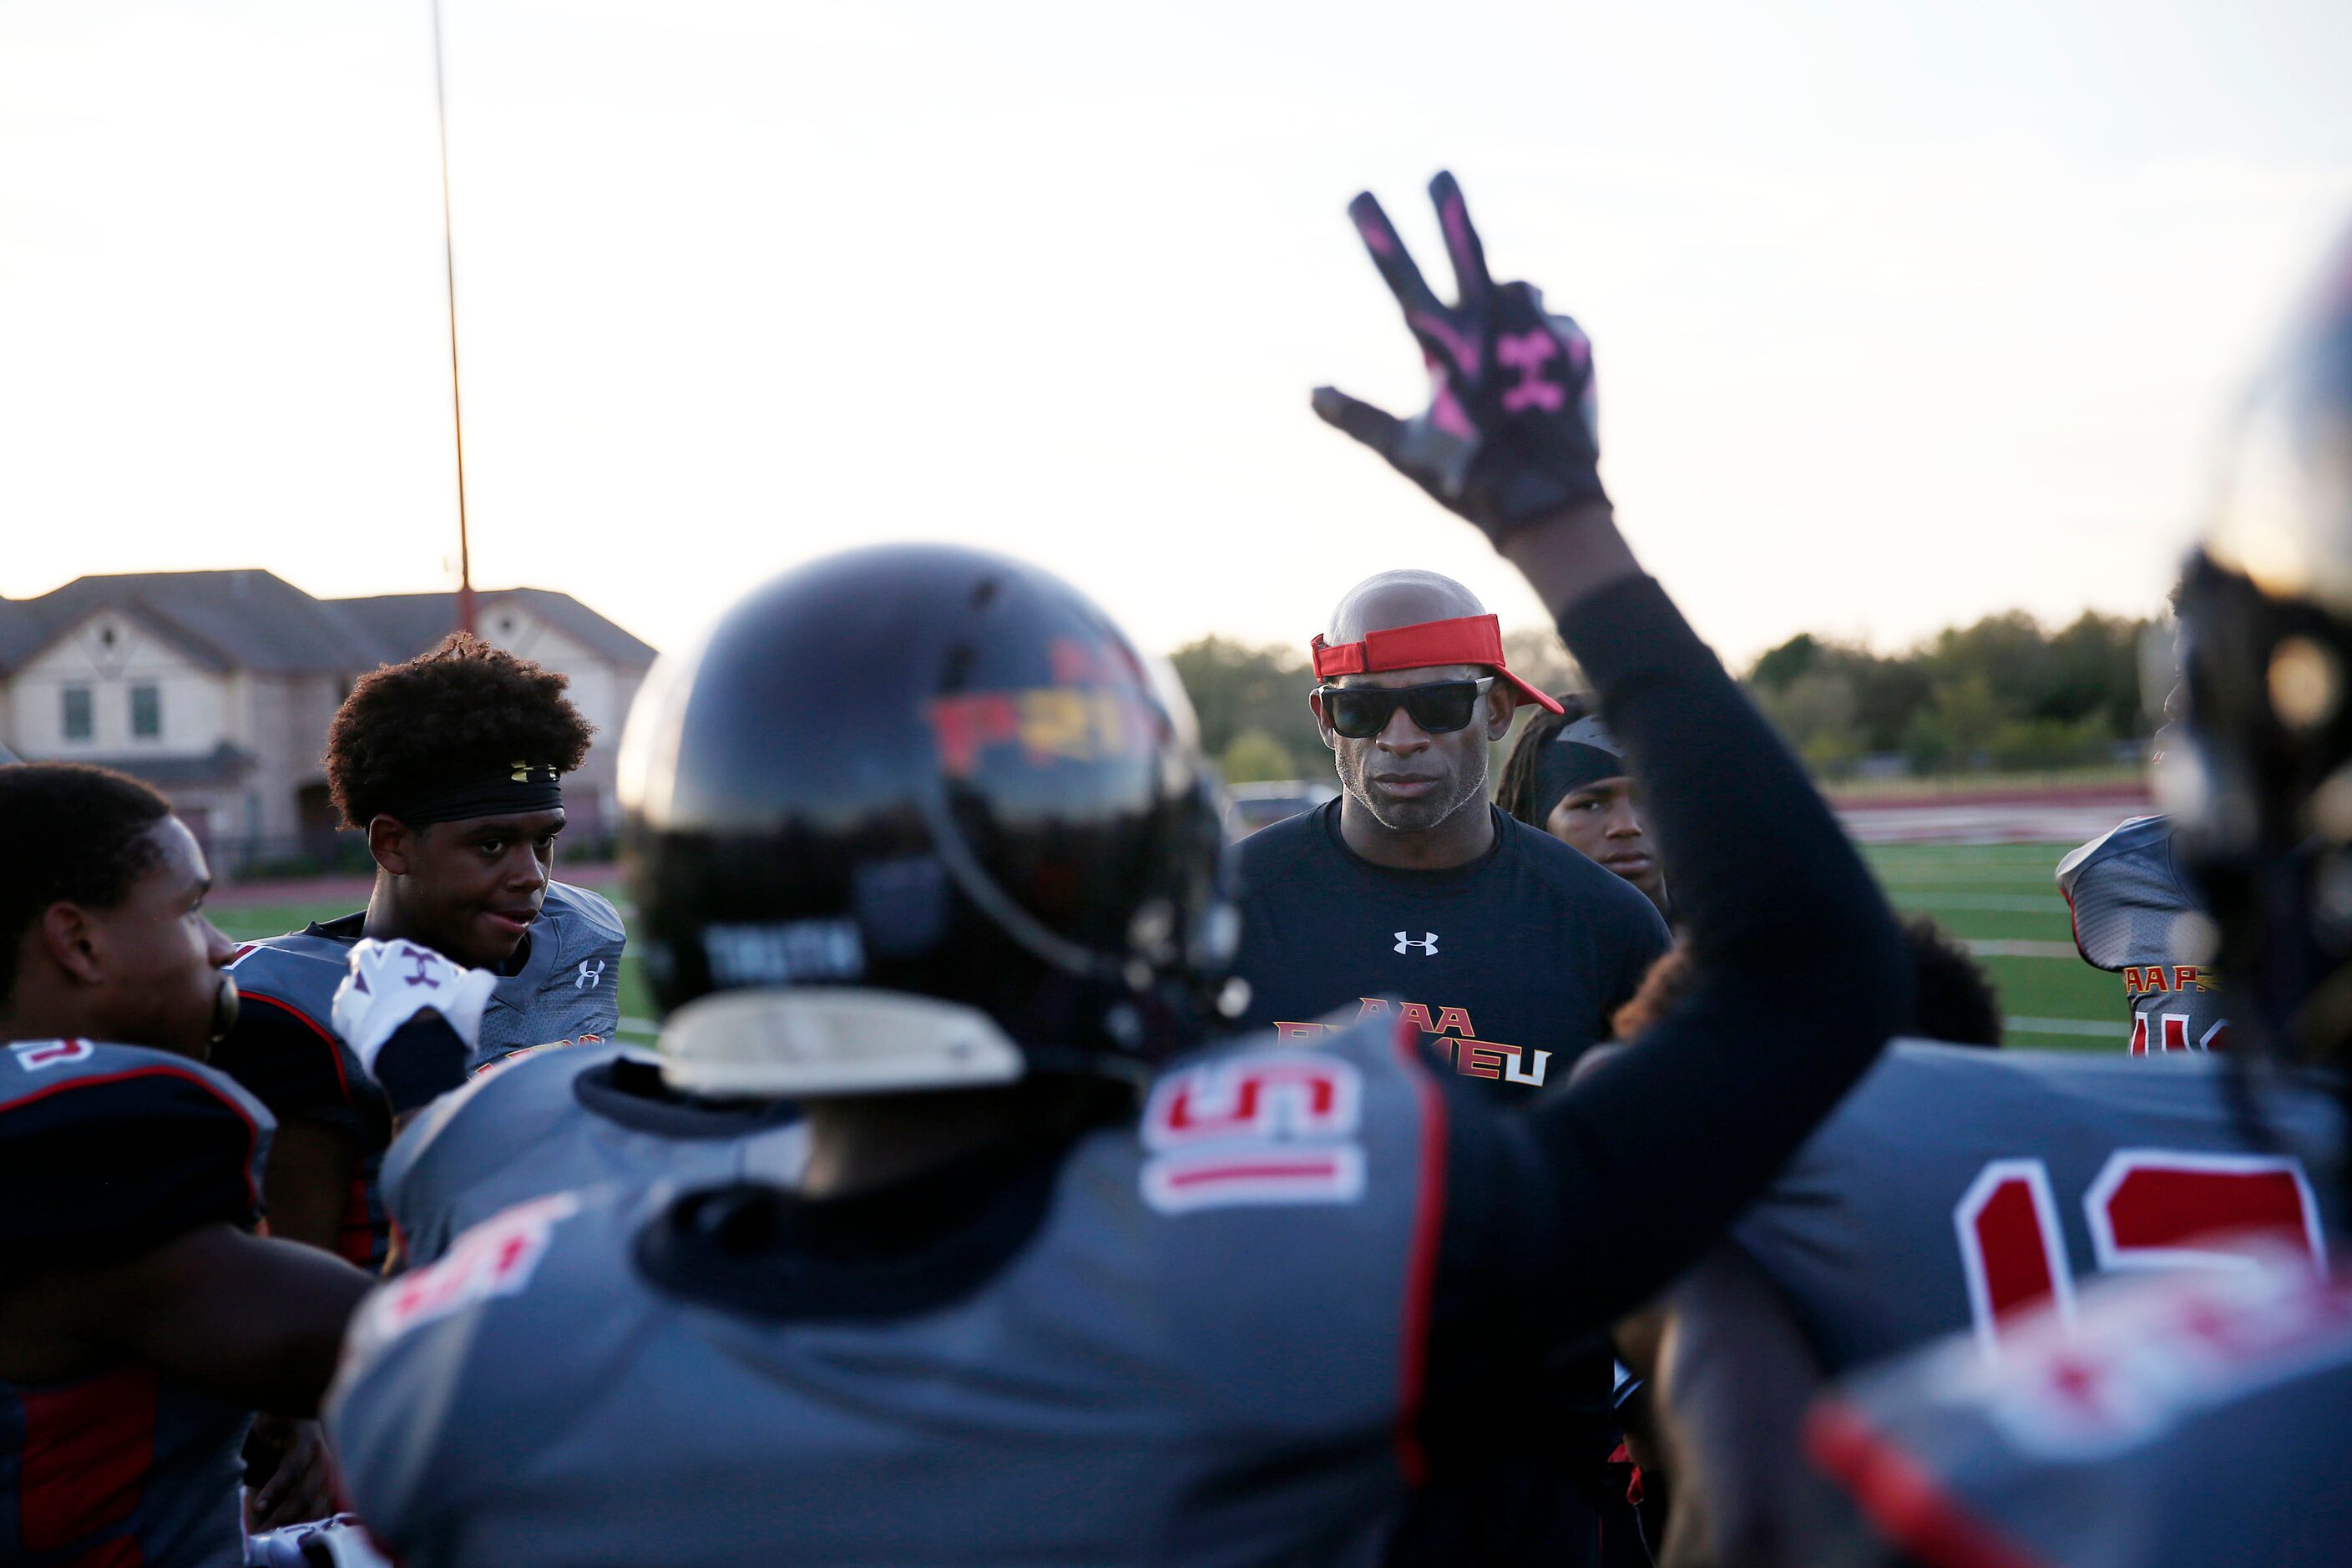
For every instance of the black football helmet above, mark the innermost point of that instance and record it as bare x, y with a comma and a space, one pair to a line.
919, 817
2259, 774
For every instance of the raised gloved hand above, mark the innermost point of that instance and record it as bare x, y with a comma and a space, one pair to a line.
389, 983
1508, 437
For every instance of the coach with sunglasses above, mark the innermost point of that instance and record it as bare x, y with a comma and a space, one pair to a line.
1410, 892
1509, 951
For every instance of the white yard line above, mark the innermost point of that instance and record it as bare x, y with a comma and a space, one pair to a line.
2085, 1027
2005, 947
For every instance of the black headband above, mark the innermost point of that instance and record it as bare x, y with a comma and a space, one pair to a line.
1578, 757
509, 791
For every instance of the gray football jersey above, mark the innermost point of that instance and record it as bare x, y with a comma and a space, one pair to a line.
285, 1051
2127, 899
2182, 1421
558, 1117
569, 987
1956, 1186
1200, 1350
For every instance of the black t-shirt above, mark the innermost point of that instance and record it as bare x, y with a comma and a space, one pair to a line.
1511, 964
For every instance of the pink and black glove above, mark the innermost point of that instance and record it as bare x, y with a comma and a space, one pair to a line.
1508, 436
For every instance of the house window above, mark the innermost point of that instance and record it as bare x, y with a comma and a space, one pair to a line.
77, 721
146, 712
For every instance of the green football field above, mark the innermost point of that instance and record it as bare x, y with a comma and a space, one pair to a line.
2002, 899
1998, 897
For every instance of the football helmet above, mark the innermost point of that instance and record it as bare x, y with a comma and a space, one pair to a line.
918, 816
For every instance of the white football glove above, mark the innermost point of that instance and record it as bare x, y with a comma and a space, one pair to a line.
391, 981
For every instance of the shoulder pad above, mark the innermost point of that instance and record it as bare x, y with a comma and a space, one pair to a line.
1263, 1119
437, 1378
125, 1147
297, 970
480, 1115
2125, 894
592, 909
2083, 1436
283, 1048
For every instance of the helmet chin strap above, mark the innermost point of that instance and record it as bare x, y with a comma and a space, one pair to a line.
816, 1040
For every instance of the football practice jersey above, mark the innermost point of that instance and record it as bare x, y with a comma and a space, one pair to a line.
692, 1390
1956, 1186
561, 1117
2127, 899
2179, 1421
285, 1050
107, 1152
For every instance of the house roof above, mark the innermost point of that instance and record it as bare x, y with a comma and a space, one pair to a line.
414, 622
256, 620
246, 619
223, 765
29, 626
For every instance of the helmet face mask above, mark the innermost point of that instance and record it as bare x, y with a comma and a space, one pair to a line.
939, 773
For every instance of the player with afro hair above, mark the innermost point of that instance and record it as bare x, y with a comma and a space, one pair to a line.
465, 704
451, 763
448, 764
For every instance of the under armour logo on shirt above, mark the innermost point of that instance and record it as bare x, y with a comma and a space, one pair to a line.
588, 976
1428, 944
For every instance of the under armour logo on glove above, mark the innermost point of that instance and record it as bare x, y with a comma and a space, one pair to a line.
1428, 944
1510, 436
391, 982
589, 977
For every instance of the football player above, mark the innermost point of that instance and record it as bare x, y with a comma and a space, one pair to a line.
2193, 1416
2019, 1173
2134, 916
1050, 1289
451, 764
142, 1321
1566, 774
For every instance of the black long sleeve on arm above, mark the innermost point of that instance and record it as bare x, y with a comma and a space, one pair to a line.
1560, 1219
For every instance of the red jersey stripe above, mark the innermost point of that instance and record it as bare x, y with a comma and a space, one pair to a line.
88, 1449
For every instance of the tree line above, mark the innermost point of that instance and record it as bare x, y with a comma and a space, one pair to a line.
2002, 694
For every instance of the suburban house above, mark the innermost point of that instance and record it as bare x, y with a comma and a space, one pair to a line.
217, 687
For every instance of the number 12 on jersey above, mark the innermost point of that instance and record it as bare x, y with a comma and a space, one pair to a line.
2147, 1208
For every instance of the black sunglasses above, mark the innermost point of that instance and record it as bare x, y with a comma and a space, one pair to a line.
1440, 707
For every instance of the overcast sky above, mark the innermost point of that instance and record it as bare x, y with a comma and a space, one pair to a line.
1903, 312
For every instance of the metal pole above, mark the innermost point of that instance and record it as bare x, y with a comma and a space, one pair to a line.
449, 273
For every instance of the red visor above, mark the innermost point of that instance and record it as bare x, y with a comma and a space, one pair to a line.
1466, 640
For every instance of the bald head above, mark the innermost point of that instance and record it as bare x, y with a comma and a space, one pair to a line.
1415, 796
1404, 598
